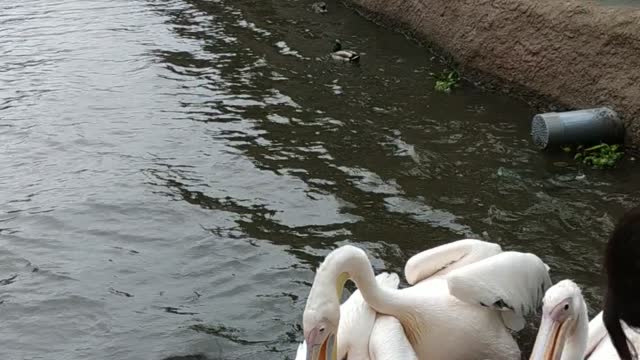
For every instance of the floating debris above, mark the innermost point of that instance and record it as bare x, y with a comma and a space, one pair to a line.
9, 280
320, 7
177, 311
507, 173
120, 293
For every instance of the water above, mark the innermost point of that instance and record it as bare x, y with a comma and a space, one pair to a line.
173, 171
620, 2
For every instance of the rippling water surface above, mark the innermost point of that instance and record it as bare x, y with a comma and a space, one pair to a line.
173, 171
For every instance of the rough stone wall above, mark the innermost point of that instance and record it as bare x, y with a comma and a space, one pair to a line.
578, 54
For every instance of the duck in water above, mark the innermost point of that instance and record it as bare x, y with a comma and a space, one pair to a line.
344, 55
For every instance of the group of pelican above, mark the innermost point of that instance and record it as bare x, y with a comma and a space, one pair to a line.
464, 300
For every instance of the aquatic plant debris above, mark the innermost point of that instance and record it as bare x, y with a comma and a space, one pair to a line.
600, 156
446, 81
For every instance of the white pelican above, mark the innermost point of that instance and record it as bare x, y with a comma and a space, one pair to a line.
565, 331
359, 321
388, 340
468, 292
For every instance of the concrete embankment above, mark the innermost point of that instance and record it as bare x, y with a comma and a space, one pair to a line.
571, 53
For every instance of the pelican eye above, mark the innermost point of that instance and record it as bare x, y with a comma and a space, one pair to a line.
321, 329
566, 307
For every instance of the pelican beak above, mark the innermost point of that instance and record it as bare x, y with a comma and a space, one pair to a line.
322, 351
550, 340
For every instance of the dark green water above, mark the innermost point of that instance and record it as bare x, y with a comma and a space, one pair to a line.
620, 2
173, 171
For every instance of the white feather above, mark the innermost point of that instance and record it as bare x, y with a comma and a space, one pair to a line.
357, 320
356, 323
446, 258
605, 349
511, 282
599, 345
597, 333
301, 354
388, 340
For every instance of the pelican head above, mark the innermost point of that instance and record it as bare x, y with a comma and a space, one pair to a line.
321, 316
564, 327
320, 331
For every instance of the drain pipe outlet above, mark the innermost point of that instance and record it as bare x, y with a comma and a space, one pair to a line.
577, 127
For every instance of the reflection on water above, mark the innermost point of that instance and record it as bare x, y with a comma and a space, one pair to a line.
175, 170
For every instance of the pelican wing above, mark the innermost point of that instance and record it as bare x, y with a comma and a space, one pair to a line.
388, 340
511, 282
597, 333
445, 258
